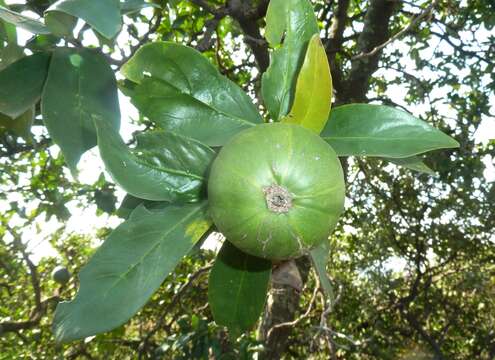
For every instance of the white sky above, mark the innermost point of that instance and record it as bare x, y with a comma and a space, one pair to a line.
86, 222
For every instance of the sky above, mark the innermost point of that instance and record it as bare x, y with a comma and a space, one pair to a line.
85, 221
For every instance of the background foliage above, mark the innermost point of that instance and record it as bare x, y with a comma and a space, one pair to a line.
413, 261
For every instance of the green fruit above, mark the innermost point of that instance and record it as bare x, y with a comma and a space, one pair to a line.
276, 191
61, 275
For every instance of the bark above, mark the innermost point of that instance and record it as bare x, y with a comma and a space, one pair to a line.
248, 14
282, 305
375, 33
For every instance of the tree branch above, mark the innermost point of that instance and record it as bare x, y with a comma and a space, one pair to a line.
414, 21
335, 40
375, 32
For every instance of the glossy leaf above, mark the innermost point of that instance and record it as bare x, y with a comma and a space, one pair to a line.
129, 203
131, 6
319, 256
175, 171
183, 92
21, 126
313, 96
32, 25
237, 288
21, 84
103, 15
412, 163
377, 130
127, 269
293, 21
181, 153
80, 89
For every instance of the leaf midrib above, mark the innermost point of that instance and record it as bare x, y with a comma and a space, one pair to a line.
191, 94
376, 138
147, 253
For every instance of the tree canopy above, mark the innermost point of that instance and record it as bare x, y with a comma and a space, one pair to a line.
412, 261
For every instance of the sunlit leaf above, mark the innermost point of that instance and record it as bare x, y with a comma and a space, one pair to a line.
179, 89
313, 96
294, 22
377, 130
164, 166
127, 269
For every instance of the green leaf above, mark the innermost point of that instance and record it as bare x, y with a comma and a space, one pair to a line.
163, 167
80, 88
103, 15
377, 130
8, 32
60, 24
319, 256
42, 42
313, 96
129, 266
184, 93
412, 163
9, 54
21, 84
296, 20
176, 151
129, 203
237, 288
21, 126
24, 22
132, 6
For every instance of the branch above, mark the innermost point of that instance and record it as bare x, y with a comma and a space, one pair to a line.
375, 32
414, 21
302, 317
210, 28
204, 4
34, 319
335, 41
247, 16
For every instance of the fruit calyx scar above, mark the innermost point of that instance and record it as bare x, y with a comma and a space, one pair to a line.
278, 199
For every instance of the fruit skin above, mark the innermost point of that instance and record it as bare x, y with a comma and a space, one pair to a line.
61, 275
274, 156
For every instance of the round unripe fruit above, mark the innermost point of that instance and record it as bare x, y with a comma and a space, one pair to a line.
61, 275
276, 191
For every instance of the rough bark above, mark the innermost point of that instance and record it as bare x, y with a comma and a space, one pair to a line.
282, 305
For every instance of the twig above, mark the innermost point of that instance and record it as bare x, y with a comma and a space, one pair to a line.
413, 23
